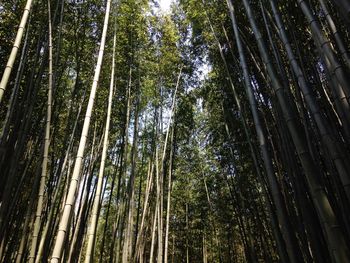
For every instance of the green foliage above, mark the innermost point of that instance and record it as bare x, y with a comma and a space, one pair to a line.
221, 205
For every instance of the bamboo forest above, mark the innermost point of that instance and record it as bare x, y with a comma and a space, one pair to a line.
175, 131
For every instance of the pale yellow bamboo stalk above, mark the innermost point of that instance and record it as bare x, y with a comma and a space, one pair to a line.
160, 221
66, 163
145, 206
71, 197
151, 257
166, 242
95, 210
16, 45
171, 115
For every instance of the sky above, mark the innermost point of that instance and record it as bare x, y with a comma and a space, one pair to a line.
165, 4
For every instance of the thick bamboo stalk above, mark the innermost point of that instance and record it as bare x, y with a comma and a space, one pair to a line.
337, 74
334, 235
284, 223
334, 147
338, 39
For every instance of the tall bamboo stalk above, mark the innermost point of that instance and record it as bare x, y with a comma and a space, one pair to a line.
170, 175
73, 185
43, 178
334, 147
334, 235
15, 48
96, 205
284, 223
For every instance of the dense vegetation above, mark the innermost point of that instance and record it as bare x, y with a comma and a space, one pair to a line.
216, 132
